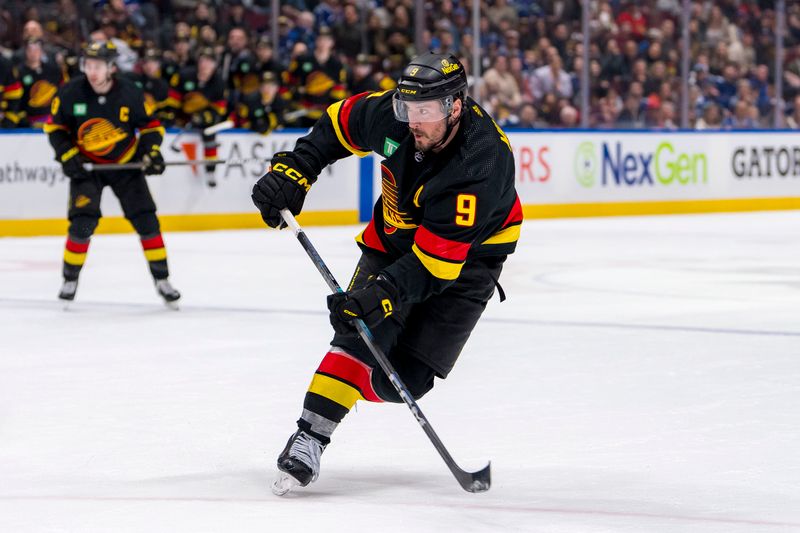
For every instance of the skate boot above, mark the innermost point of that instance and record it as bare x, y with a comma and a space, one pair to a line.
68, 290
298, 463
168, 292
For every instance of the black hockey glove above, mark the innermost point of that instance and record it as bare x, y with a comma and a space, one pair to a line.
73, 168
284, 186
204, 119
372, 304
153, 162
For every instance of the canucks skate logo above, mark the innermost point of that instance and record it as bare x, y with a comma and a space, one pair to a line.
393, 218
98, 136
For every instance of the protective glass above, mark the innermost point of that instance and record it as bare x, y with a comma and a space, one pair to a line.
425, 111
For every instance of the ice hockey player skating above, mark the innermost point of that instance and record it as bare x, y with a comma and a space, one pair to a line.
431, 256
94, 118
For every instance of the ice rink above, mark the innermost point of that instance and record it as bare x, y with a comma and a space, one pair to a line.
643, 376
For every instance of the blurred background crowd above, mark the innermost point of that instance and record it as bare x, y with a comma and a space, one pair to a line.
531, 54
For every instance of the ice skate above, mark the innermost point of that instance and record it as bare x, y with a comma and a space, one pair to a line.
68, 290
298, 463
168, 293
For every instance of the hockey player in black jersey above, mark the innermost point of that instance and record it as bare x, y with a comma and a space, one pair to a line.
431, 256
263, 110
40, 82
95, 118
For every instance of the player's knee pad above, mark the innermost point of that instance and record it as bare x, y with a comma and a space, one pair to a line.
344, 379
82, 227
146, 224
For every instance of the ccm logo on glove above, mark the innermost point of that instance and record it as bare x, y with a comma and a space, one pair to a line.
291, 173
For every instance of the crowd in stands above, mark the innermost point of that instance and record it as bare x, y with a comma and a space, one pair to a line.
531, 52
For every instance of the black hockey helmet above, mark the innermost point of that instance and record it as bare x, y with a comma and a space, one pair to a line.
430, 77
106, 51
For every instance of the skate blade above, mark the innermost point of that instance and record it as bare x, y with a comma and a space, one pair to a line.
283, 484
66, 303
172, 305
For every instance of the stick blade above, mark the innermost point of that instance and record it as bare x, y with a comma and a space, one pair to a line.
475, 482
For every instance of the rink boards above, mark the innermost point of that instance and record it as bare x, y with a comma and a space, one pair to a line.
559, 174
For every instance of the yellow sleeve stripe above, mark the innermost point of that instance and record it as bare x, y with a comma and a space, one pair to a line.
381, 93
438, 268
69, 154
160, 130
333, 112
13, 94
75, 259
510, 234
335, 390
50, 128
156, 254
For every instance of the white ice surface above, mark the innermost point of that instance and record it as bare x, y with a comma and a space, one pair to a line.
643, 375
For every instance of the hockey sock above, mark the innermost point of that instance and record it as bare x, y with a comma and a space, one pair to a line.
74, 257
156, 254
210, 152
339, 382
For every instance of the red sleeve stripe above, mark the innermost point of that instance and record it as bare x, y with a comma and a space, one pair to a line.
153, 242
350, 370
369, 237
440, 247
16, 86
344, 118
515, 216
77, 247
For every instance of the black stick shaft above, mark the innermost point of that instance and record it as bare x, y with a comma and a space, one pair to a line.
472, 482
140, 166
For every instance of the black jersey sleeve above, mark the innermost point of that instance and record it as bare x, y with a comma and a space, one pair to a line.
60, 123
356, 125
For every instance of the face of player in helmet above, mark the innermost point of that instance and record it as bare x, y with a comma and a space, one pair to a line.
428, 122
98, 72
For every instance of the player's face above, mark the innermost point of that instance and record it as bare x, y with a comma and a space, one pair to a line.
428, 124
98, 72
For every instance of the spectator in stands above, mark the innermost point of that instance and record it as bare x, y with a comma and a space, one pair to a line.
742, 117
711, 119
793, 120
632, 115
569, 117
551, 78
500, 93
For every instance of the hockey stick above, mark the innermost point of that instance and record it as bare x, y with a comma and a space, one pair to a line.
216, 128
140, 166
479, 481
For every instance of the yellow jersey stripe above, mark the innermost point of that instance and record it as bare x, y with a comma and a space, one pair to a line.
49, 128
335, 390
333, 113
510, 234
437, 267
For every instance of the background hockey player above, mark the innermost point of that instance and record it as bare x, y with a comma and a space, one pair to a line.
10, 95
263, 110
95, 117
154, 87
201, 93
40, 82
316, 80
447, 218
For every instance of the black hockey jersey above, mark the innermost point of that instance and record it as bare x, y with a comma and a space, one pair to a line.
39, 87
156, 94
10, 94
253, 113
101, 127
190, 96
312, 86
436, 210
